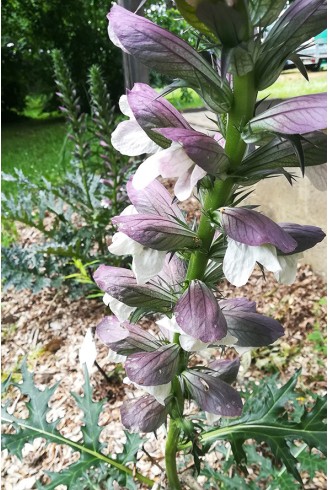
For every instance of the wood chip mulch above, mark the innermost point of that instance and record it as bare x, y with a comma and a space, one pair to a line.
49, 328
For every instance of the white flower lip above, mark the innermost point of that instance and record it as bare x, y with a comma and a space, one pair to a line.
88, 351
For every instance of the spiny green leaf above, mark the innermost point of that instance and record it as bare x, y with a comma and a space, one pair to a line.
91, 411
36, 425
70, 475
266, 419
131, 447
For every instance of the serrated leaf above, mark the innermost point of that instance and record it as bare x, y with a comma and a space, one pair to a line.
91, 411
266, 419
131, 447
36, 425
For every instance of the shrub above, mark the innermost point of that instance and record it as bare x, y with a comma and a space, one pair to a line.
73, 216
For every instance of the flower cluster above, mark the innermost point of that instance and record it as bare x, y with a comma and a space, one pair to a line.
157, 236
191, 315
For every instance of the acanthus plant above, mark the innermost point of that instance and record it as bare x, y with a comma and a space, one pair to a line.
177, 269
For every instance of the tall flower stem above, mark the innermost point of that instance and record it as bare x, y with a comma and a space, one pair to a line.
174, 432
170, 456
242, 110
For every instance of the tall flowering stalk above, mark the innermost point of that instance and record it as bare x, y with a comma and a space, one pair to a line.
177, 269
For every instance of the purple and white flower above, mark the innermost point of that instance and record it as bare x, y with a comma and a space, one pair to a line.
146, 262
148, 112
253, 237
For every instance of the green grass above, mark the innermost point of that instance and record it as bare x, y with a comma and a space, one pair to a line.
182, 103
291, 84
36, 147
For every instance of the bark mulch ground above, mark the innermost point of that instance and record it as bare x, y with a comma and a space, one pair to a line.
49, 328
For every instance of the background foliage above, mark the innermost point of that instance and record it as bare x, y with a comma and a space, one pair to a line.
31, 29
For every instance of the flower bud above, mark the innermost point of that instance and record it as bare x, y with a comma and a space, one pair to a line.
212, 394
153, 368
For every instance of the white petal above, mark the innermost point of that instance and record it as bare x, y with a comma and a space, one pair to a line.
88, 351
211, 418
190, 344
267, 256
115, 357
114, 38
129, 211
146, 173
288, 265
159, 392
124, 107
120, 310
174, 161
129, 139
228, 340
123, 245
242, 350
240, 259
107, 299
186, 182
169, 324
245, 362
147, 263
238, 264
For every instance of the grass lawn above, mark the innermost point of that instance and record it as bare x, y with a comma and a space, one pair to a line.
193, 101
36, 147
291, 83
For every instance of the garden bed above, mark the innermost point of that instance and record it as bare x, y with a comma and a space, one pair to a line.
48, 328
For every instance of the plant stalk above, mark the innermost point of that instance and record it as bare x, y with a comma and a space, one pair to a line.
241, 112
170, 456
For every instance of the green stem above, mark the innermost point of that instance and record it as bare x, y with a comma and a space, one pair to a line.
59, 439
241, 112
170, 456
